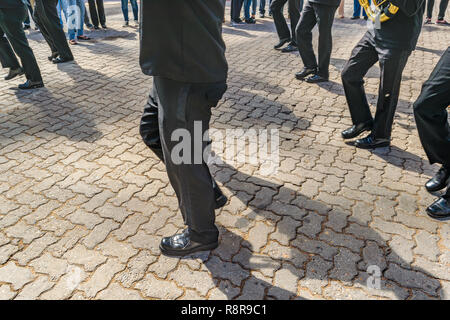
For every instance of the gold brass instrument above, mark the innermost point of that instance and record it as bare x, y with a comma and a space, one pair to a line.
384, 10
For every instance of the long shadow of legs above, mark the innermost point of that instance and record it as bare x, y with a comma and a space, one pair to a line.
282, 244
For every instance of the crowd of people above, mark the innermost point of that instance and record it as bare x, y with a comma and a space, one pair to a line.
189, 84
50, 17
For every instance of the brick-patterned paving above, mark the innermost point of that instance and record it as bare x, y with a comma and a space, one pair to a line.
84, 203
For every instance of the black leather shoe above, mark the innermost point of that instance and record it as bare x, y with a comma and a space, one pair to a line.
221, 199
281, 43
370, 142
439, 181
104, 26
357, 129
316, 79
61, 60
290, 48
440, 209
181, 245
31, 85
53, 56
304, 73
14, 73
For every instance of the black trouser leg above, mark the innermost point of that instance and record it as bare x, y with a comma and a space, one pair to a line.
101, 12
236, 7
93, 12
49, 23
279, 20
363, 57
149, 128
11, 24
325, 17
430, 111
304, 36
392, 64
430, 5
294, 9
7, 57
442, 9
186, 109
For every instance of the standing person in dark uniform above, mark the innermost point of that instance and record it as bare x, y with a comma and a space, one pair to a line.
12, 15
46, 17
320, 12
391, 45
430, 111
235, 12
189, 71
294, 9
97, 10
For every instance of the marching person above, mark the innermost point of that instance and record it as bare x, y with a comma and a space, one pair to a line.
430, 111
188, 81
320, 12
391, 45
284, 34
12, 15
47, 19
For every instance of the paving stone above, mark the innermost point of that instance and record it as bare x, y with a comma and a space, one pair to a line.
66, 284
34, 289
136, 268
158, 289
89, 259
6, 293
116, 292
99, 233
101, 277
14, 275
198, 280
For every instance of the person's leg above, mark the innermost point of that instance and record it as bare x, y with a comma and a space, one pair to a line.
7, 57
93, 12
187, 107
53, 26
356, 8
12, 27
325, 18
279, 20
392, 64
430, 6
101, 13
294, 8
341, 8
27, 21
442, 8
254, 5
363, 57
430, 111
304, 36
41, 20
80, 28
262, 6
125, 10
247, 4
134, 6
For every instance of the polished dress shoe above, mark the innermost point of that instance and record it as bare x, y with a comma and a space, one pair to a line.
290, 48
304, 73
219, 197
181, 245
357, 129
53, 56
440, 209
316, 79
439, 181
31, 85
370, 142
14, 73
61, 60
281, 43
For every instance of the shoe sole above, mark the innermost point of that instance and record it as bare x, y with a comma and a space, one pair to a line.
176, 253
437, 217
381, 145
33, 87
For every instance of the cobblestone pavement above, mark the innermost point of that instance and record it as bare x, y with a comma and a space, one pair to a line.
84, 203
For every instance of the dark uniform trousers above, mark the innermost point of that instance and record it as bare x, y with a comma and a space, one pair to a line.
177, 105
323, 16
11, 20
294, 9
47, 19
430, 111
97, 11
392, 62
236, 7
